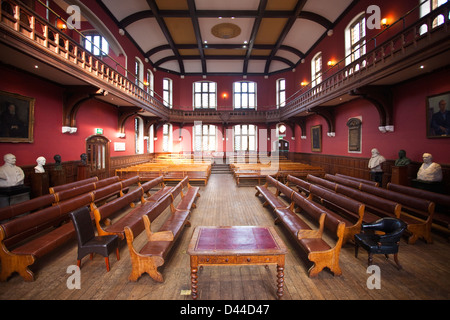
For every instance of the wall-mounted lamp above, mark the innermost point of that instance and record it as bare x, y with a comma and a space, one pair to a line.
61, 25
303, 83
331, 63
224, 95
384, 23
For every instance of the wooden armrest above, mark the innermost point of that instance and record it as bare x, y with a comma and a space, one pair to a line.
156, 236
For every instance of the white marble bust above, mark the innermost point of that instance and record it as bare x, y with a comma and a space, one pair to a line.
10, 174
40, 165
429, 171
375, 161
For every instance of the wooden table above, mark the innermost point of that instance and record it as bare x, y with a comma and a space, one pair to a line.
237, 245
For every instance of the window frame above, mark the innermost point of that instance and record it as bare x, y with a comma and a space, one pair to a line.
245, 93
167, 92
350, 46
211, 135
247, 135
316, 75
210, 94
102, 52
281, 102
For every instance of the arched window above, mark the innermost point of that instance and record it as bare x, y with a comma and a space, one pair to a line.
151, 140
167, 92
426, 8
281, 93
244, 95
316, 69
139, 73
96, 44
355, 39
139, 135
149, 82
204, 94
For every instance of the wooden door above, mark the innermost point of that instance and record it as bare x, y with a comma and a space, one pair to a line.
98, 160
283, 147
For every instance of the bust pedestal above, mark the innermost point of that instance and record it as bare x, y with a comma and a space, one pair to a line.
39, 184
13, 195
83, 172
428, 185
400, 175
57, 177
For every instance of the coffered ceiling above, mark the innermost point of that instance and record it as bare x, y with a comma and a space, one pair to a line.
242, 37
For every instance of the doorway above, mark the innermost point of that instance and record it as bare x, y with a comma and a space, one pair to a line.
283, 148
98, 160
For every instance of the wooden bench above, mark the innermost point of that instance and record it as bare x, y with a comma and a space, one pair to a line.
271, 198
248, 175
188, 196
384, 203
28, 206
153, 254
441, 214
320, 253
32, 236
413, 210
73, 184
369, 182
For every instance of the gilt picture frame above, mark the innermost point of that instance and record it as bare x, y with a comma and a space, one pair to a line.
16, 118
438, 115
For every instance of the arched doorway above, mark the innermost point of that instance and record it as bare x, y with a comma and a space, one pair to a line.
97, 150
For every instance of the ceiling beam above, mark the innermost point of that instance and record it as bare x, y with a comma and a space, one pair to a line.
256, 24
166, 33
198, 36
298, 8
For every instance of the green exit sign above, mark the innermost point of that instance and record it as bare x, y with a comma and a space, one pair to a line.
98, 131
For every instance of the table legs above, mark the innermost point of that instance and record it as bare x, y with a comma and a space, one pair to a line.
280, 281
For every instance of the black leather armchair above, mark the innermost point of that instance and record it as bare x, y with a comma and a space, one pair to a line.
386, 243
88, 242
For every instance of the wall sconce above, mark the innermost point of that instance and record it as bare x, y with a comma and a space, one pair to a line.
70, 130
384, 23
61, 25
224, 95
331, 63
303, 83
146, 83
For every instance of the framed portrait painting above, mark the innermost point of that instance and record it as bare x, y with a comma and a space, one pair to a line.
316, 138
438, 116
16, 118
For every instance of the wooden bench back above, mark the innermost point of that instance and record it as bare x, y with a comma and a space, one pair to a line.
107, 181
117, 204
377, 202
73, 184
369, 182
73, 192
106, 190
307, 206
344, 181
337, 199
323, 182
160, 206
284, 189
302, 184
147, 186
130, 181
177, 190
423, 205
439, 199
26, 206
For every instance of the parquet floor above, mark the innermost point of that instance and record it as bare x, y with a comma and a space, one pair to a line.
426, 273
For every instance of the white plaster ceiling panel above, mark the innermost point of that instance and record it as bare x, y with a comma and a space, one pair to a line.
303, 34
224, 66
288, 55
326, 10
276, 65
122, 9
192, 66
161, 54
139, 31
171, 65
256, 66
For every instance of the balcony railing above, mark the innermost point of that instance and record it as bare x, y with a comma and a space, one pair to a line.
39, 33
340, 77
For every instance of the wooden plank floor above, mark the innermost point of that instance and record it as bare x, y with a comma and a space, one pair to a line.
426, 273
